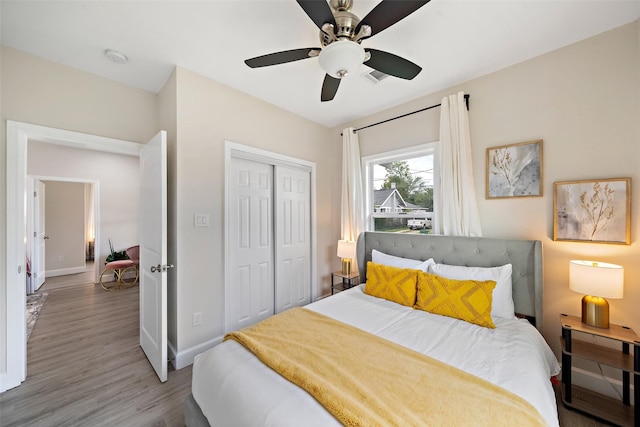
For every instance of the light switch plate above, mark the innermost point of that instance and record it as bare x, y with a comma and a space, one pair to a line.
201, 220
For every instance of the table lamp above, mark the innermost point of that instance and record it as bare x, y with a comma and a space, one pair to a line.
597, 281
346, 251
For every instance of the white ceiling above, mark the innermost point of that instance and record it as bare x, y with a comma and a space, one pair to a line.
453, 40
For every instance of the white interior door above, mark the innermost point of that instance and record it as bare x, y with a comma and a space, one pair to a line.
250, 296
37, 263
293, 237
153, 253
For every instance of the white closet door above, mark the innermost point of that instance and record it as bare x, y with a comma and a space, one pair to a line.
251, 287
293, 237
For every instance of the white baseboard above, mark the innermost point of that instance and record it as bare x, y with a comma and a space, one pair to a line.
611, 387
64, 271
185, 358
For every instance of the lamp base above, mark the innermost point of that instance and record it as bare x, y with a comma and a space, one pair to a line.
595, 311
346, 266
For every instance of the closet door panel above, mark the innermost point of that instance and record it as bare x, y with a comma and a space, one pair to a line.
292, 237
251, 291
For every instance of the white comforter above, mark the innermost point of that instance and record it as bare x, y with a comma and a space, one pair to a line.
233, 388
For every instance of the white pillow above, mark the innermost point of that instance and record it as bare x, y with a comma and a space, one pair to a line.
396, 261
502, 302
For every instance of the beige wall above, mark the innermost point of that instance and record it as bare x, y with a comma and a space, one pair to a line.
45, 93
64, 225
208, 113
584, 102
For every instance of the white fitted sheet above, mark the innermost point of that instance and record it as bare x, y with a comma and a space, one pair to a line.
233, 388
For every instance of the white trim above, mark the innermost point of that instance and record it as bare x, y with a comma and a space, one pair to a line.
18, 135
185, 358
430, 148
64, 271
73, 139
233, 149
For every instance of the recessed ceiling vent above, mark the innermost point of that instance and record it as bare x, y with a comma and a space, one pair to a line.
375, 76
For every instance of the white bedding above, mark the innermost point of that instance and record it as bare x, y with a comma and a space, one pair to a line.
233, 388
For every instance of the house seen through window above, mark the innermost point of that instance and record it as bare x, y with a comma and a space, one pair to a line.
400, 190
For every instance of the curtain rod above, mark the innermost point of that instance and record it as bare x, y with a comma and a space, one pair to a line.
466, 101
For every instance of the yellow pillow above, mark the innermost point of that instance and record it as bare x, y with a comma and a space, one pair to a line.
391, 283
468, 300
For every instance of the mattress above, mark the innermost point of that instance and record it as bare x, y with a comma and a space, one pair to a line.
232, 387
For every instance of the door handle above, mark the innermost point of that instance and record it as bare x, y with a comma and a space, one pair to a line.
161, 268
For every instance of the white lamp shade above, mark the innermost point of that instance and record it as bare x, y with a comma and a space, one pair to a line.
598, 279
341, 57
346, 249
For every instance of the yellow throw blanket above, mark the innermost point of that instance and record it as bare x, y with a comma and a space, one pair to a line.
365, 380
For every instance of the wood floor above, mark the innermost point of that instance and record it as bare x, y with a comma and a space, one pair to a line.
86, 368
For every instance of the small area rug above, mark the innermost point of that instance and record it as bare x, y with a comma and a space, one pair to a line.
34, 306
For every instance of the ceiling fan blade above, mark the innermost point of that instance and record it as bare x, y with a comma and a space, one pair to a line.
392, 64
329, 88
281, 57
319, 12
388, 12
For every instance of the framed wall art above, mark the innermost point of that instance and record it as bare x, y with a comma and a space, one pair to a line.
596, 211
514, 170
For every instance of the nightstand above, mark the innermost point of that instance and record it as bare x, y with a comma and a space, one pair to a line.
346, 281
604, 407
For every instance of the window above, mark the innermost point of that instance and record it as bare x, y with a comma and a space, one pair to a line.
399, 189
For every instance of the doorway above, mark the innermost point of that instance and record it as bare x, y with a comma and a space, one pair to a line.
67, 222
19, 135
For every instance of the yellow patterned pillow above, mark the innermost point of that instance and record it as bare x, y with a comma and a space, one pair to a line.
391, 283
468, 300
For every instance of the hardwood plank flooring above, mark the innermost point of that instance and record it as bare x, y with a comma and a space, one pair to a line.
573, 418
86, 368
68, 280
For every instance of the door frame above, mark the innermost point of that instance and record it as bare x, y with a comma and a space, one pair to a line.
18, 136
96, 213
233, 149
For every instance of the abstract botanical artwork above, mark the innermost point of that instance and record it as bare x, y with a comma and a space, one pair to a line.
514, 170
593, 211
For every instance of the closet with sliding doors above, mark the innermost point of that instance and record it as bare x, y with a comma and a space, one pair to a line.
268, 242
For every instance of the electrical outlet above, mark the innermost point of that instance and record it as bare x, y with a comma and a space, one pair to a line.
197, 318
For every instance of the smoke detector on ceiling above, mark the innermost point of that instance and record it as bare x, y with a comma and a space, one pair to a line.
116, 56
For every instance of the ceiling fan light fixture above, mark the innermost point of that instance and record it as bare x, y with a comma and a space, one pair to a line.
341, 58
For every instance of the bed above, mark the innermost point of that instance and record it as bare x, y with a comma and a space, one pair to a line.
232, 387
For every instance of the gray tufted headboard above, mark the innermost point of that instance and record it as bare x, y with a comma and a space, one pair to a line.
525, 256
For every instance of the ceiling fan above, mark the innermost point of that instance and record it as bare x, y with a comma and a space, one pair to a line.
341, 35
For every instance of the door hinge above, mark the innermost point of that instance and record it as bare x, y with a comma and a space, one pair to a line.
19, 269
35, 194
35, 234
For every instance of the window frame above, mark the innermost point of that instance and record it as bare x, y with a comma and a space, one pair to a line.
367, 163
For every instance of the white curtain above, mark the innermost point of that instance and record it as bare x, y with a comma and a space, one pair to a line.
458, 208
352, 211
